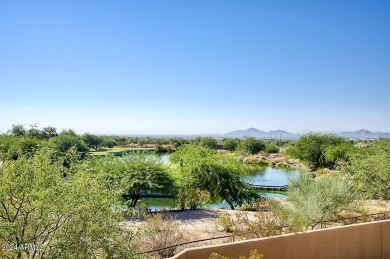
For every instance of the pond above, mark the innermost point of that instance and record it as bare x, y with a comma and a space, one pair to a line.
270, 175
254, 175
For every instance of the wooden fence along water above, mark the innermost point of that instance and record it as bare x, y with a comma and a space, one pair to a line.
282, 188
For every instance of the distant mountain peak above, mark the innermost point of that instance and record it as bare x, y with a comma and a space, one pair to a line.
282, 134
253, 132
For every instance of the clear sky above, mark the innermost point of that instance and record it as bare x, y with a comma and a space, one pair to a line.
195, 67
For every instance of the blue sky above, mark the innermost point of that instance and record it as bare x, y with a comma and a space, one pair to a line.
195, 67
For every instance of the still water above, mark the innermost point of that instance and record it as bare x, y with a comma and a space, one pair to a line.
254, 175
270, 175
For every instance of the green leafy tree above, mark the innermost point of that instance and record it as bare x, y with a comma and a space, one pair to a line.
270, 147
49, 132
252, 145
34, 132
177, 142
17, 130
92, 141
192, 198
230, 144
136, 174
108, 142
12, 147
208, 142
316, 148
65, 141
369, 169
207, 169
62, 217
68, 132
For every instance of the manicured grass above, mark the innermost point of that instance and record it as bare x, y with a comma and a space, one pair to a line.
106, 151
277, 192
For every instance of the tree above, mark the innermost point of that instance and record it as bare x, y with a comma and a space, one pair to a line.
252, 145
49, 132
67, 217
208, 142
270, 147
108, 142
135, 174
369, 170
177, 142
34, 132
230, 144
12, 147
92, 141
192, 198
220, 175
64, 142
312, 149
17, 130
312, 200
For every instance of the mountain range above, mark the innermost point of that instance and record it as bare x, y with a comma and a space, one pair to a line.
282, 134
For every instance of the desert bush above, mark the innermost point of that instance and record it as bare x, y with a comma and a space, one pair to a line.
271, 148
243, 227
226, 222
161, 231
312, 200
192, 198
251, 145
259, 204
369, 170
253, 255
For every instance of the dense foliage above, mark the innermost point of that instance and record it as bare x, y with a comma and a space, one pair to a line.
320, 150
370, 169
207, 169
67, 217
134, 174
251, 145
312, 200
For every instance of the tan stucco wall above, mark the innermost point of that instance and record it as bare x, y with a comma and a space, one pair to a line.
367, 240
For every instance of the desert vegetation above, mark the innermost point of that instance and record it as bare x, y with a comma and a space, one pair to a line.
56, 195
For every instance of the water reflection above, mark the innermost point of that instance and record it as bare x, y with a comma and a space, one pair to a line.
270, 175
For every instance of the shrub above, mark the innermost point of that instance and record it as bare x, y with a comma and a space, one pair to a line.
253, 255
320, 150
192, 198
161, 231
271, 148
226, 222
251, 145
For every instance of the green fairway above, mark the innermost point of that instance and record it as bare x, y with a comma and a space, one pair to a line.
106, 151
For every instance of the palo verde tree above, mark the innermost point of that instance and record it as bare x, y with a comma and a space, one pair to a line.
207, 169
369, 169
135, 174
56, 216
312, 200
